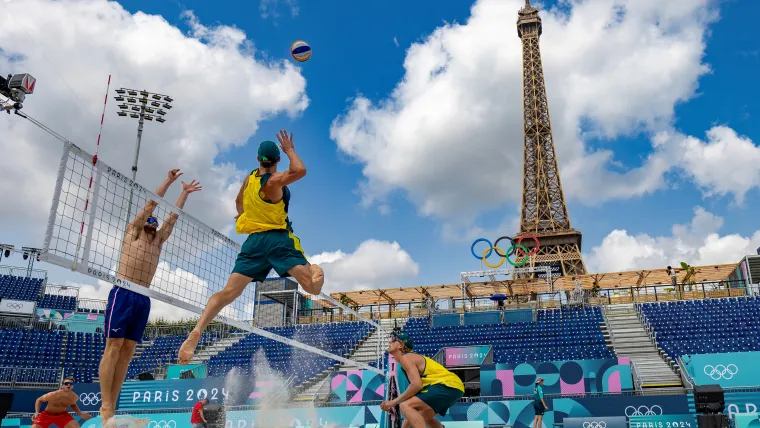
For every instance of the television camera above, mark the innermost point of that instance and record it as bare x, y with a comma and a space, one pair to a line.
14, 89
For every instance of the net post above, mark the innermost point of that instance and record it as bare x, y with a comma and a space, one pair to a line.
56, 197
91, 220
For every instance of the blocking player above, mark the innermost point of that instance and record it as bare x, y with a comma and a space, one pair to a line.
262, 206
432, 389
55, 412
127, 312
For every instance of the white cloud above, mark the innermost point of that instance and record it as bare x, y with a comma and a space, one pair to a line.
395, 41
697, 243
270, 8
221, 93
374, 264
450, 134
724, 164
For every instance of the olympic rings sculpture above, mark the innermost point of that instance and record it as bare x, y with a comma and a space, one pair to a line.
516, 249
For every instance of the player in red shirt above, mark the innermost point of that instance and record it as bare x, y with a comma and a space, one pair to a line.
198, 419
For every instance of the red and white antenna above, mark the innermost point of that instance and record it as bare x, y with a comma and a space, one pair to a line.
94, 162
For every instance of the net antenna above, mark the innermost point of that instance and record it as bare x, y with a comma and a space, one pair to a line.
194, 262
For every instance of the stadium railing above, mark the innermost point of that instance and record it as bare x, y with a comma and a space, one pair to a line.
26, 377
24, 272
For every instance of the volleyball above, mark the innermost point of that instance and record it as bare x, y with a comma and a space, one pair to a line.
300, 50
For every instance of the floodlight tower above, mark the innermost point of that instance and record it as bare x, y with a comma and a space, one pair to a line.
141, 105
135, 104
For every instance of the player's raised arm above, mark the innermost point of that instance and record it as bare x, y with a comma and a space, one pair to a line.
296, 170
136, 225
171, 219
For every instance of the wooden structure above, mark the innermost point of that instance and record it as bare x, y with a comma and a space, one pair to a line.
512, 287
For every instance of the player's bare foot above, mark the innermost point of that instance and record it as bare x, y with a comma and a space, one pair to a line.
187, 350
317, 280
106, 416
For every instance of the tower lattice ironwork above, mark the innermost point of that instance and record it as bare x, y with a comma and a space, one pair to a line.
544, 212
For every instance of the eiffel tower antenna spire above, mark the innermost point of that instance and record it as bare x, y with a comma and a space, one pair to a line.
544, 212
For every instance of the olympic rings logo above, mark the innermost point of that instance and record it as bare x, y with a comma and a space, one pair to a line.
516, 249
89, 399
721, 372
643, 411
14, 305
162, 424
595, 424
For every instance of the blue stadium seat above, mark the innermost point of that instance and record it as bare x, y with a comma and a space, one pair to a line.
19, 288
704, 326
556, 335
336, 338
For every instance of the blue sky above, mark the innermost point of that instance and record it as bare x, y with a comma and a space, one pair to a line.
360, 48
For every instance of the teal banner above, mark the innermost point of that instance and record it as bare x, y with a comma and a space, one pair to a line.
466, 355
729, 370
663, 421
747, 420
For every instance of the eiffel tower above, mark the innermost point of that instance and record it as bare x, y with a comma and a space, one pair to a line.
544, 213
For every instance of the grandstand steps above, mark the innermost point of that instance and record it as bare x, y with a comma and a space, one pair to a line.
631, 340
366, 351
204, 354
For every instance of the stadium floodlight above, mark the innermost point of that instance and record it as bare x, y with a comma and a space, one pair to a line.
119, 98
121, 91
160, 120
167, 106
161, 112
6, 250
14, 89
168, 99
32, 254
138, 109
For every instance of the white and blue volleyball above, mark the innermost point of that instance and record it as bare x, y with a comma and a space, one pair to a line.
300, 50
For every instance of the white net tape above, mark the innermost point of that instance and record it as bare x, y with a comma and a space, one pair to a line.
87, 227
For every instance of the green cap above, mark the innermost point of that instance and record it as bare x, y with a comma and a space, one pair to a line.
405, 339
268, 151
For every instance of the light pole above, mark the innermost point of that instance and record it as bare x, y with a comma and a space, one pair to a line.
141, 105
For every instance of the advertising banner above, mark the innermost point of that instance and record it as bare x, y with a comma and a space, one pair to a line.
17, 307
747, 420
608, 422
184, 393
664, 421
737, 403
560, 377
356, 386
729, 370
466, 355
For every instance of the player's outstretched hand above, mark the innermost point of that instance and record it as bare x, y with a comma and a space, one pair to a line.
191, 187
174, 174
286, 142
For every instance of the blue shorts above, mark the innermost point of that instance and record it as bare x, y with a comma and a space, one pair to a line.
126, 314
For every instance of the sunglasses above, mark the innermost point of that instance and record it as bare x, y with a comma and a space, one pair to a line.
152, 220
68, 383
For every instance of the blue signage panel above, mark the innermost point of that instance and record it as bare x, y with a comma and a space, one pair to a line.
23, 399
183, 393
729, 370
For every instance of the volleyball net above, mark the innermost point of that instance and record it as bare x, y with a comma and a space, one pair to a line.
88, 232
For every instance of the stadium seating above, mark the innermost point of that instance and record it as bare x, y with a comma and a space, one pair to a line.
62, 303
337, 338
35, 349
704, 326
556, 335
19, 288
82, 356
162, 351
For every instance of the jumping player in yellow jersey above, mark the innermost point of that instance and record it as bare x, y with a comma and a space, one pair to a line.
262, 206
432, 389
